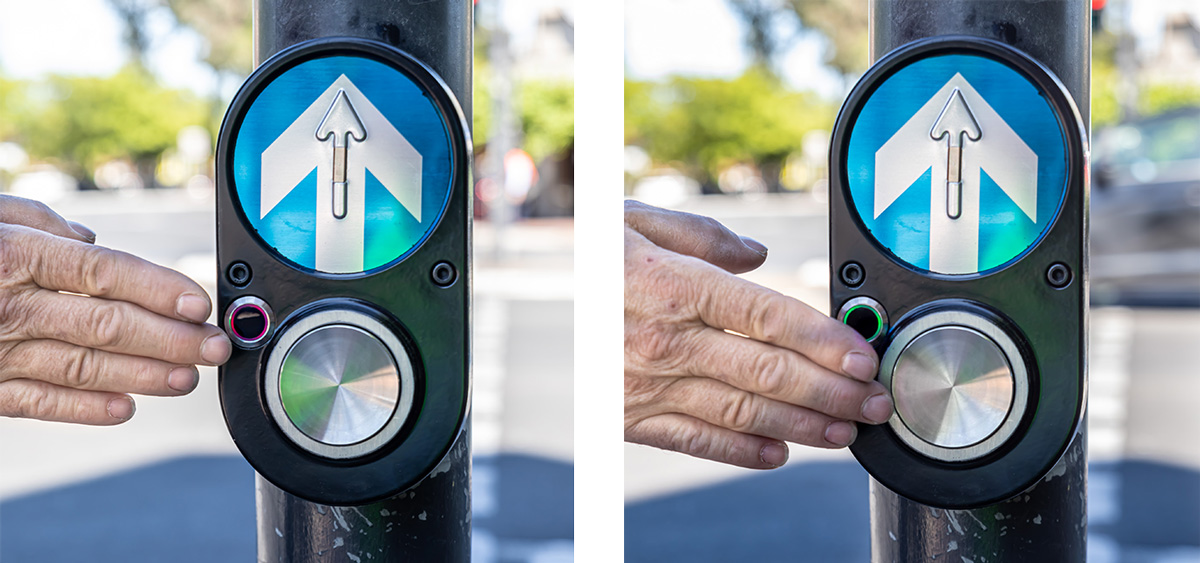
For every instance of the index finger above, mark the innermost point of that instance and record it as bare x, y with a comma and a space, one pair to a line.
65, 265
732, 303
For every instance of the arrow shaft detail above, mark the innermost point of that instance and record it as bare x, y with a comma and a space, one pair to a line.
954, 182
340, 189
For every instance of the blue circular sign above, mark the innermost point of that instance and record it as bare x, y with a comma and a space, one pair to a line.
957, 164
342, 163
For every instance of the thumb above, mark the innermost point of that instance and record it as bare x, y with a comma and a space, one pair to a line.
695, 235
37, 215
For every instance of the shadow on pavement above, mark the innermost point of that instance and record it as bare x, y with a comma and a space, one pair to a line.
819, 512
201, 509
807, 512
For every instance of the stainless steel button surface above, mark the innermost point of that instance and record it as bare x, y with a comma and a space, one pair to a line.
959, 384
339, 383
952, 387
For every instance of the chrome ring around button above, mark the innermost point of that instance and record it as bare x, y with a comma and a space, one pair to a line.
377, 435
253, 305
959, 444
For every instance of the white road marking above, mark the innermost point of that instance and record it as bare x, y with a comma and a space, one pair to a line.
1109, 355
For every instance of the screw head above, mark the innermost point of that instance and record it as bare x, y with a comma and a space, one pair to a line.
239, 274
853, 274
1058, 275
443, 274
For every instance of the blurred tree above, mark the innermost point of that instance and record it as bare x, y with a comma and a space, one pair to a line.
1106, 80
765, 37
1147, 99
481, 96
80, 122
133, 15
705, 125
227, 29
226, 26
9, 90
842, 23
547, 111
1159, 98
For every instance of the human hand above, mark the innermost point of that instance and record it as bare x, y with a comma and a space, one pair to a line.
82, 325
690, 386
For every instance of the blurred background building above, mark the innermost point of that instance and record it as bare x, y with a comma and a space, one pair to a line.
109, 110
728, 110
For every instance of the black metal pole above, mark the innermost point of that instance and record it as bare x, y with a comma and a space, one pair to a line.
1048, 522
431, 521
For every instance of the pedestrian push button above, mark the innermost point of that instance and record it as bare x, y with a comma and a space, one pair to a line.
248, 321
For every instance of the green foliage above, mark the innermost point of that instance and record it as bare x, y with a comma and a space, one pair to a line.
547, 111
843, 23
225, 26
81, 122
1151, 98
481, 97
708, 124
1159, 98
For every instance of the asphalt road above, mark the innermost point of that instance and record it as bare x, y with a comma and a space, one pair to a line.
1144, 466
170, 485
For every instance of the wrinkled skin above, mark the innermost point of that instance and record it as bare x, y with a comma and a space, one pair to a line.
81, 326
789, 374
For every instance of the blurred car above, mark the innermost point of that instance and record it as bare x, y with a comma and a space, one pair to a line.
1145, 211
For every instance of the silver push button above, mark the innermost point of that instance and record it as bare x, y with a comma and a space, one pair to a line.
959, 385
952, 387
339, 384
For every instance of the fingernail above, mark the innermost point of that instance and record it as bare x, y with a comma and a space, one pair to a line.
183, 379
859, 366
192, 307
774, 454
754, 245
121, 408
840, 433
877, 409
84, 231
215, 349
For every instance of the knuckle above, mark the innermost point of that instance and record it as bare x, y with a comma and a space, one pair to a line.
840, 399
106, 324
769, 318
771, 374
83, 369
689, 439
37, 403
740, 413
95, 270
656, 347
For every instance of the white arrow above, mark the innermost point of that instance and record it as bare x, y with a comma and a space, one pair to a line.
340, 123
955, 123
995, 147
341, 217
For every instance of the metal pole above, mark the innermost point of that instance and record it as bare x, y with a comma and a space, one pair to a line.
431, 521
1048, 522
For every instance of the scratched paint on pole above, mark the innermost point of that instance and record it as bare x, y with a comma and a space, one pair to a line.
342, 165
957, 164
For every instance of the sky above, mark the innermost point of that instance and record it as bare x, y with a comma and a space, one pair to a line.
83, 37
704, 38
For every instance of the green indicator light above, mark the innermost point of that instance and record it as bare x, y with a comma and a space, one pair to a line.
865, 320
